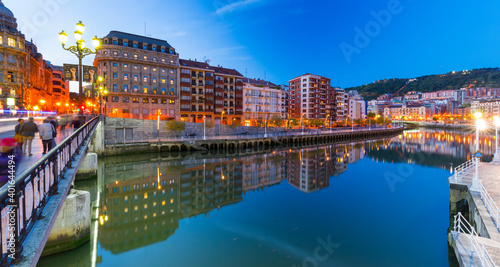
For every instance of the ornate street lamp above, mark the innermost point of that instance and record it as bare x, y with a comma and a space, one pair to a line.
480, 125
80, 51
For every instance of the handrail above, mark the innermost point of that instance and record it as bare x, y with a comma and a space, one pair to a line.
463, 168
24, 197
491, 206
461, 225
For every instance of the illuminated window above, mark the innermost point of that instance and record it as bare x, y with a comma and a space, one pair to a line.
12, 42
163, 203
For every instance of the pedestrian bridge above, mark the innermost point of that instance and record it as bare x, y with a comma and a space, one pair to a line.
31, 201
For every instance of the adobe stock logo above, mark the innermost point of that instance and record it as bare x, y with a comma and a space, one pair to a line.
47, 10
372, 29
322, 253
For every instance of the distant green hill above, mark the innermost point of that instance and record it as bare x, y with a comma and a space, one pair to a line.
489, 77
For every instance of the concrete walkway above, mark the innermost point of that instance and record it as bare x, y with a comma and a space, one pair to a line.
489, 174
36, 150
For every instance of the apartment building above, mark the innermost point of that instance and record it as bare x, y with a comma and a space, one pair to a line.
262, 101
341, 104
311, 97
141, 76
207, 92
197, 91
489, 108
60, 90
228, 96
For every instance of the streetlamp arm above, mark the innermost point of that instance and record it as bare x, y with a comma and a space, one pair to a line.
79, 52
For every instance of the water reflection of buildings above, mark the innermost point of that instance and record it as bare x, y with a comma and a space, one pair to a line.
443, 149
311, 169
142, 202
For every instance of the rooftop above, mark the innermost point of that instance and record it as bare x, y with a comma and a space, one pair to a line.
138, 38
259, 82
194, 64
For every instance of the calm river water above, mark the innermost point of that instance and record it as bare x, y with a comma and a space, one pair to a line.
374, 203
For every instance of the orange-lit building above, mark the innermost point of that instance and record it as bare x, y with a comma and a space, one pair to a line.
60, 90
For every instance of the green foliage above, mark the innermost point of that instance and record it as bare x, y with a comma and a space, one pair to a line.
487, 77
294, 122
276, 120
358, 121
175, 126
316, 123
371, 115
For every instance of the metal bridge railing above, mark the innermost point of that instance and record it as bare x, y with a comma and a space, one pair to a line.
462, 169
24, 197
461, 225
491, 206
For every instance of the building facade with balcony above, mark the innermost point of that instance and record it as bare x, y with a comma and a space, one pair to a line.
312, 97
60, 91
196, 91
490, 108
140, 75
262, 101
228, 96
341, 104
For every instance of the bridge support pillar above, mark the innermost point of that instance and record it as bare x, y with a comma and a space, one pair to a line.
72, 226
88, 167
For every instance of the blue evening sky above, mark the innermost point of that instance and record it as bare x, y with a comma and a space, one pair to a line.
281, 39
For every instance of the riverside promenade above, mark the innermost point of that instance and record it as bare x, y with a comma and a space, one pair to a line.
475, 236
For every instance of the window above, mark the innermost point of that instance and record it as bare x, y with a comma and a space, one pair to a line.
115, 87
115, 64
125, 77
115, 75
1, 57
163, 91
145, 68
136, 88
186, 89
11, 42
11, 77
125, 44
145, 100
125, 88
163, 80
185, 106
135, 111
145, 90
1, 40
11, 59
154, 90
114, 99
125, 65
145, 57
186, 80
172, 81
115, 42
154, 100
125, 54
145, 111
145, 79
171, 101
135, 100
136, 78
135, 67
125, 100
154, 79
136, 56
135, 45
185, 97
164, 101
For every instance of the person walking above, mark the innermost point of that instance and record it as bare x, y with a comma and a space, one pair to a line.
76, 123
28, 130
17, 136
54, 134
46, 134
63, 122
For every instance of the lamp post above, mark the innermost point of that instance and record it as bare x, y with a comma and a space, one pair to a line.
326, 120
204, 127
80, 51
222, 117
265, 126
302, 122
480, 124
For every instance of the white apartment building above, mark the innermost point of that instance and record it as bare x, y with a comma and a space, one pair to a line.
262, 100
